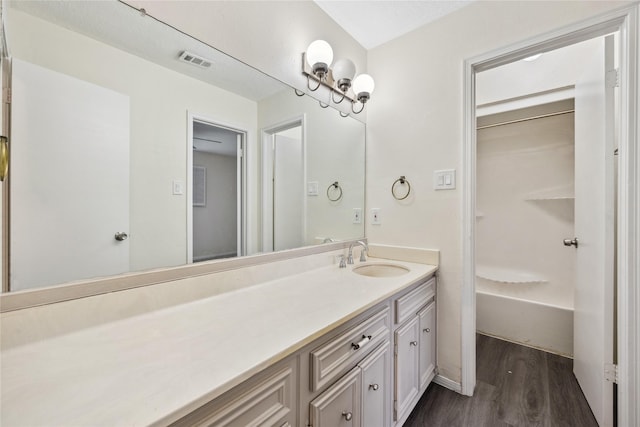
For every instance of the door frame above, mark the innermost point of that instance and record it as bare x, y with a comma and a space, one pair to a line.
242, 182
266, 141
626, 21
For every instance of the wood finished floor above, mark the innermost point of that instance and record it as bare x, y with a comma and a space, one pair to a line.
516, 386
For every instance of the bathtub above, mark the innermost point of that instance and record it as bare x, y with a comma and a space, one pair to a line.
530, 323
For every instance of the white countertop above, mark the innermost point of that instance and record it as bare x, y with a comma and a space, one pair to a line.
140, 370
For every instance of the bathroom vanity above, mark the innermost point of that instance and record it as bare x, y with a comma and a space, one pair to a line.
322, 347
370, 371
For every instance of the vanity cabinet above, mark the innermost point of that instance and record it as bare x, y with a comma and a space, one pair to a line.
359, 398
414, 347
407, 381
427, 342
368, 372
267, 399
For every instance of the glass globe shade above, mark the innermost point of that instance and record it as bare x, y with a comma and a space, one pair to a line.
344, 69
319, 51
363, 84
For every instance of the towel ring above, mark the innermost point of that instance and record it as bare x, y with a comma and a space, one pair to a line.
335, 186
402, 180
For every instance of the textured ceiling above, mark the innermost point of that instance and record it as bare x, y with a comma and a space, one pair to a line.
374, 22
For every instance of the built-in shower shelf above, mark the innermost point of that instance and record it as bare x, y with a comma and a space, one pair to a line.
505, 275
555, 193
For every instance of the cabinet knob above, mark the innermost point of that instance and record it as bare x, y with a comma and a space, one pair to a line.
347, 415
120, 236
414, 343
374, 387
427, 330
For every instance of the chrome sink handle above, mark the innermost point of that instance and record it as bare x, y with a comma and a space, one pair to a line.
342, 263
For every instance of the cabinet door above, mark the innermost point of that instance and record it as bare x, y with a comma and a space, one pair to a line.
406, 367
376, 392
339, 405
427, 344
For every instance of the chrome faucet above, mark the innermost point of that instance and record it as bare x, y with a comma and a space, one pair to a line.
365, 248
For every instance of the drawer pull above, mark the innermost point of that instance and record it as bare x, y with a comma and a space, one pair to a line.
347, 415
427, 330
414, 343
358, 345
374, 387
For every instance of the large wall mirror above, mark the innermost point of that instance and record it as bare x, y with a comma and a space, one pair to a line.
134, 147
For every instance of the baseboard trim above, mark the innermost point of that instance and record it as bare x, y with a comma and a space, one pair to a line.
448, 383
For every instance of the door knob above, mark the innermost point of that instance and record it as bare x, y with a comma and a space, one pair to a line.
120, 236
571, 242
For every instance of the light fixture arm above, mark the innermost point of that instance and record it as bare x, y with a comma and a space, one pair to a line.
313, 89
353, 109
338, 101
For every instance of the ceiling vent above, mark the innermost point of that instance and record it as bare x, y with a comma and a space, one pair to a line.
194, 59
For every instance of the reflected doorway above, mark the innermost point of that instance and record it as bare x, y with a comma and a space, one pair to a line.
215, 191
284, 203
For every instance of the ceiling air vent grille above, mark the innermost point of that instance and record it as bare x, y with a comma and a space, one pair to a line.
194, 59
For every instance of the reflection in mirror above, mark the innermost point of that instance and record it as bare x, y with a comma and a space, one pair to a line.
127, 154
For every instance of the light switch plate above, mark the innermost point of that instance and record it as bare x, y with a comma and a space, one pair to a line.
312, 188
444, 179
178, 187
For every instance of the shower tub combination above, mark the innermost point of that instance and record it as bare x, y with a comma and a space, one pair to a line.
536, 324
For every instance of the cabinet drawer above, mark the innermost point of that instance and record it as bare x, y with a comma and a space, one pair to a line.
342, 352
408, 305
270, 401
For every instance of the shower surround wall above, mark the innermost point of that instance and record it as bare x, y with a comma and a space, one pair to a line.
525, 206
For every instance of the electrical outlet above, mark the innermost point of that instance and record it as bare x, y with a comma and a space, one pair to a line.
357, 215
375, 216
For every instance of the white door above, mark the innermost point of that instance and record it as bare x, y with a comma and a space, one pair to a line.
69, 179
594, 219
288, 196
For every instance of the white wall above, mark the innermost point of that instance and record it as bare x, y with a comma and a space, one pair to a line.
335, 149
415, 127
160, 99
268, 35
215, 225
525, 174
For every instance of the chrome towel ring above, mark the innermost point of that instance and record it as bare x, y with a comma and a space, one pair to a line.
400, 181
336, 187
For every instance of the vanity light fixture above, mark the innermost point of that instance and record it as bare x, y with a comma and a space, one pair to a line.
316, 65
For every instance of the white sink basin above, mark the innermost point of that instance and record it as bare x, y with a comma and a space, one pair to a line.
380, 270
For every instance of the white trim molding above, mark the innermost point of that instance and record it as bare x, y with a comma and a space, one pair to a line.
626, 21
448, 383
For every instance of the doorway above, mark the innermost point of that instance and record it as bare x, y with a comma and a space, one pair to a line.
623, 21
283, 177
215, 191
539, 184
